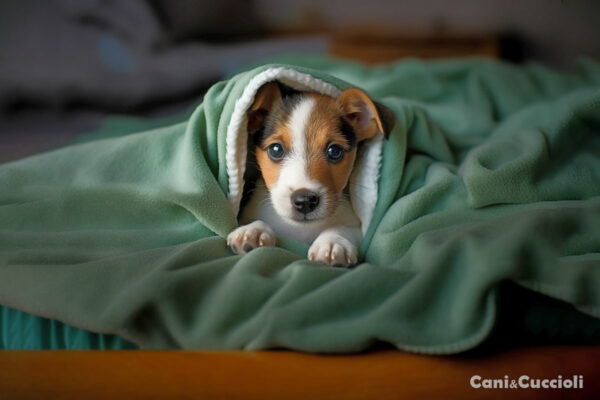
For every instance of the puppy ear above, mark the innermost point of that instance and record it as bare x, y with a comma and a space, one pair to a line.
267, 97
366, 116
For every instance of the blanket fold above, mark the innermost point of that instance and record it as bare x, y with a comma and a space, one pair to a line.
492, 173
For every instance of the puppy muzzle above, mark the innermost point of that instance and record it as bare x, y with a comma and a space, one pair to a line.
305, 201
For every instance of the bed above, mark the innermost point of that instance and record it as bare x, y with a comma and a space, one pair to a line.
484, 235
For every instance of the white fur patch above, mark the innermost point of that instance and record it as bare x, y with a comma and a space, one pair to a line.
297, 124
236, 130
344, 221
293, 174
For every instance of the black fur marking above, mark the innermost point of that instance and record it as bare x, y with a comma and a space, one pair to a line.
286, 91
259, 136
280, 114
347, 132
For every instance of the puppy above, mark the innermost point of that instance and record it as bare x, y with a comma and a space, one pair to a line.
305, 146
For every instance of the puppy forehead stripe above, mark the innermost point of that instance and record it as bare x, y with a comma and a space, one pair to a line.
294, 171
298, 123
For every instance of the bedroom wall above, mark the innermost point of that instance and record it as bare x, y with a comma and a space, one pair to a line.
68, 63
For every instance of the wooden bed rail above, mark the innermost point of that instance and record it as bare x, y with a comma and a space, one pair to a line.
287, 375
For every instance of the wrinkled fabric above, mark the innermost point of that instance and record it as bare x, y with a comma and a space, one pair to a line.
492, 173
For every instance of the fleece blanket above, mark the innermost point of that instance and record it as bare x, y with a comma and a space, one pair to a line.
491, 174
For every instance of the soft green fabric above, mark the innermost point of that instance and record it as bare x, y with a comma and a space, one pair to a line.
20, 330
491, 174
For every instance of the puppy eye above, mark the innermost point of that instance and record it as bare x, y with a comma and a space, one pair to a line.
276, 152
334, 153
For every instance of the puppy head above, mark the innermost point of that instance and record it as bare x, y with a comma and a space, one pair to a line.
306, 143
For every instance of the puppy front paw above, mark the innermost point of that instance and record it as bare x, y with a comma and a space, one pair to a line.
333, 249
248, 237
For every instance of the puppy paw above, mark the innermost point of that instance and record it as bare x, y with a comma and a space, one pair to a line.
248, 237
333, 249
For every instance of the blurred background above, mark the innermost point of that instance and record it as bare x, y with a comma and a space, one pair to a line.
65, 65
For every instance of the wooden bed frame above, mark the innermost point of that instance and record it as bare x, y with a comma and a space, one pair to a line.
267, 375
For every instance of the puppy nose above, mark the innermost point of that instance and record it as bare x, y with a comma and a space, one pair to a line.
304, 200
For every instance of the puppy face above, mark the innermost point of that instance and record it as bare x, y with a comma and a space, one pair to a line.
305, 147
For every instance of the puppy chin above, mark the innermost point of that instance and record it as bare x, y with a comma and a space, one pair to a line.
304, 219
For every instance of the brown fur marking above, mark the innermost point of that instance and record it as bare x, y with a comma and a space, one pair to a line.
322, 130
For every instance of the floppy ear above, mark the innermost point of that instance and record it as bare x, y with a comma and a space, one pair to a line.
267, 97
366, 117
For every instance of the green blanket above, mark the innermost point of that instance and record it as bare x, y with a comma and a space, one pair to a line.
492, 173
